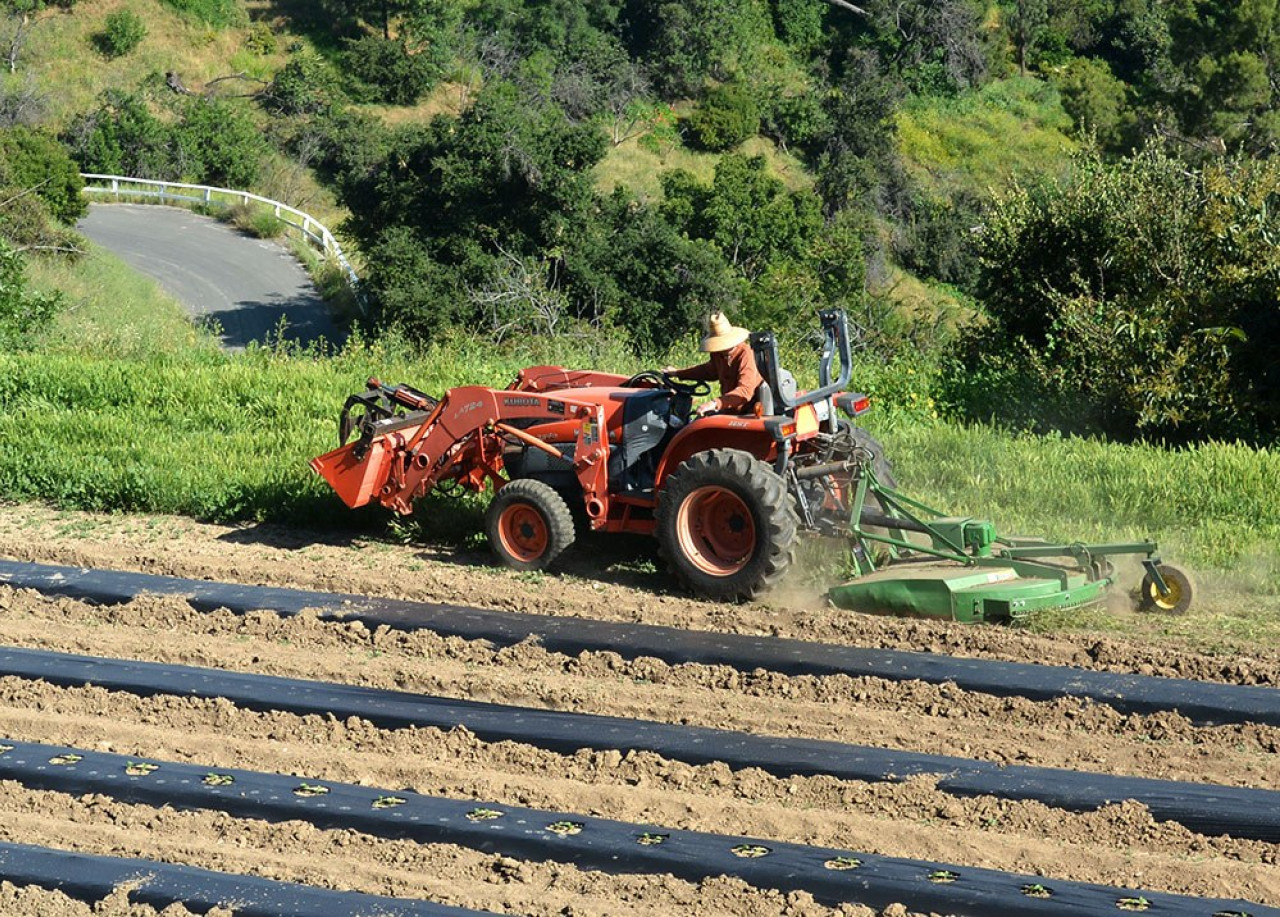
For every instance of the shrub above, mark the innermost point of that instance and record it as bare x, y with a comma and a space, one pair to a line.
727, 116
219, 13
383, 70
305, 85
123, 32
1138, 298
220, 143
255, 220
261, 40
23, 312
122, 137
37, 162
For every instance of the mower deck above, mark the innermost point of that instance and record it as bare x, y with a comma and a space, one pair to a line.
939, 589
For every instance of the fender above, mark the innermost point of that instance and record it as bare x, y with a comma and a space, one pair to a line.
718, 431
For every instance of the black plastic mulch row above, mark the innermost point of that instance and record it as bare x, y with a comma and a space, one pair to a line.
1205, 808
1200, 702
88, 878
832, 876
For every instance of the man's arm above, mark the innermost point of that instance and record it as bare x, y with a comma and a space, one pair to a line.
703, 372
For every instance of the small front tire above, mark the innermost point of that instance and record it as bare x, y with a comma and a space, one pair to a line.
529, 525
1173, 602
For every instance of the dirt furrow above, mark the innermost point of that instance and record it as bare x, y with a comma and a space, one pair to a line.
1117, 845
912, 716
612, 580
296, 851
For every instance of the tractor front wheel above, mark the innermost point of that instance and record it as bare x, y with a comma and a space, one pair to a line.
726, 525
529, 525
1175, 601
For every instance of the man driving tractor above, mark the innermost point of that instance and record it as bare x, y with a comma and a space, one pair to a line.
732, 363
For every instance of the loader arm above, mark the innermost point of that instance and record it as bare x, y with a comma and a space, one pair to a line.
461, 440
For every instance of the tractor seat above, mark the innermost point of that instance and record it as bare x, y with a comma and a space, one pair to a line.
777, 393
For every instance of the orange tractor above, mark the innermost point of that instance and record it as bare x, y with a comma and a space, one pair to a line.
725, 495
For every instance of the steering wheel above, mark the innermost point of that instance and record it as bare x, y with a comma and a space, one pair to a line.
697, 388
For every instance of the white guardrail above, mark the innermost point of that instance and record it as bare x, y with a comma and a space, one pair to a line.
312, 230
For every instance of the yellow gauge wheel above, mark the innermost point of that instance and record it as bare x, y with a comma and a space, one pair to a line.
1177, 597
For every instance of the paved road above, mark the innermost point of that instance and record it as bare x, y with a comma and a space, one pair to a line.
246, 285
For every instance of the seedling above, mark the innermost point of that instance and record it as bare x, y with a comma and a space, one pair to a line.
388, 802
1134, 904
565, 828
843, 863
649, 839
218, 780
140, 768
943, 876
1037, 891
484, 814
750, 851
63, 760
310, 789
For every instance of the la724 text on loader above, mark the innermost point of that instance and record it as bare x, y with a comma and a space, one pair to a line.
725, 496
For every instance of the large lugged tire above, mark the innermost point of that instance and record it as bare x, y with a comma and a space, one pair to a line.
880, 463
726, 525
528, 524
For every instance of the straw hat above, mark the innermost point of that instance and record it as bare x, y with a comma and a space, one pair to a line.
721, 335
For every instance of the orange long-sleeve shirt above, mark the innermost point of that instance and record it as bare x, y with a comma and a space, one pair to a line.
735, 370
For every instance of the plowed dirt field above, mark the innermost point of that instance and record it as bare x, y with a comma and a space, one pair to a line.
1118, 845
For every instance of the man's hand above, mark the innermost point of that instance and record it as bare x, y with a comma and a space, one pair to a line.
669, 370
708, 407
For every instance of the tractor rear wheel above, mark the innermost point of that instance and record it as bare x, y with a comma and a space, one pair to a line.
726, 525
529, 525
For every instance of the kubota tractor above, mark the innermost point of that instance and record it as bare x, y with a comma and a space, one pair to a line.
725, 495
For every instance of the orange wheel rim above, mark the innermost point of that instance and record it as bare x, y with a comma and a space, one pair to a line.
524, 532
716, 530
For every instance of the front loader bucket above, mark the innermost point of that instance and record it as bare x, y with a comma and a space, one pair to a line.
355, 474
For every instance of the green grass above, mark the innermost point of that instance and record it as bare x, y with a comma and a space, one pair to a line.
638, 168
1212, 508
112, 308
61, 54
985, 139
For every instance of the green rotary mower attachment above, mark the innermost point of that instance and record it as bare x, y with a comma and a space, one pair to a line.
913, 560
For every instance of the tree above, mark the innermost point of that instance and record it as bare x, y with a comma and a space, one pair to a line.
507, 177
644, 275
930, 45
748, 213
858, 154
1026, 22
1098, 103
1137, 297
727, 115
696, 40
20, 18
385, 70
